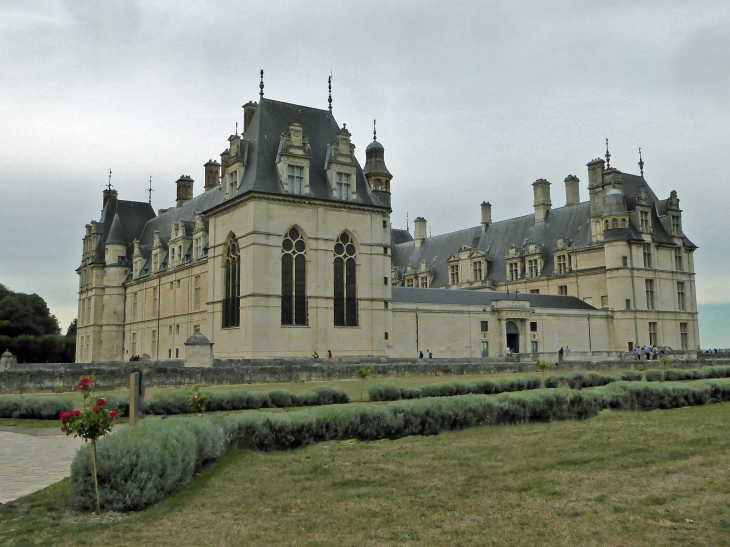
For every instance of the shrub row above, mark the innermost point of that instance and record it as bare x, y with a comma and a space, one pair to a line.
139, 466
33, 407
398, 419
389, 392
650, 396
176, 402
578, 380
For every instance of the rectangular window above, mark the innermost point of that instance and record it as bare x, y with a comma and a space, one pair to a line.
644, 221
134, 343
153, 345
409, 282
628, 303
385, 223
155, 263
680, 295
478, 271
177, 353
385, 305
343, 186
532, 268
169, 330
534, 346
562, 264
295, 178
196, 293
169, 354
485, 326
485, 348
386, 335
423, 282
385, 281
177, 329
676, 226
647, 255
514, 271
178, 283
179, 254
652, 333
604, 301
134, 306
533, 326
385, 250
454, 274
172, 285
172, 257
625, 261
534, 291
678, 259
563, 290
154, 301
649, 294
684, 335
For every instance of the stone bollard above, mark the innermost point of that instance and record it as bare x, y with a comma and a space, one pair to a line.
136, 399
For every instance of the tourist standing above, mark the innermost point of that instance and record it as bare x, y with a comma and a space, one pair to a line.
329, 354
636, 352
560, 354
567, 352
647, 350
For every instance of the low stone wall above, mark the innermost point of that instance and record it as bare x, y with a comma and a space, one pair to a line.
59, 377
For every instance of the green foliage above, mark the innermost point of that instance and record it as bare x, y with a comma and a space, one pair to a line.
198, 401
665, 362
138, 466
280, 398
29, 407
543, 367
678, 375
49, 348
71, 330
25, 314
403, 418
556, 380
96, 418
631, 375
363, 373
650, 396
654, 375
389, 392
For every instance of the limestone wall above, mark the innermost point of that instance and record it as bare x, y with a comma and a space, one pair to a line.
24, 378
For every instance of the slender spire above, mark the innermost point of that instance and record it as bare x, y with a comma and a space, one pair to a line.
375, 136
641, 163
608, 156
261, 85
150, 189
406, 222
236, 129
109, 184
329, 84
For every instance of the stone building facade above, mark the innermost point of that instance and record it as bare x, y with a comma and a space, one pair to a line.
289, 250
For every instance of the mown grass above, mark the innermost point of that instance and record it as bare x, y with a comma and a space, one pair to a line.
655, 478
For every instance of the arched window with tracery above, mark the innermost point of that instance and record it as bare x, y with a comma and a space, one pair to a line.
345, 282
232, 288
293, 279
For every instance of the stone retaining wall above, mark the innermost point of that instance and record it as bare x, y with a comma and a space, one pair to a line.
59, 377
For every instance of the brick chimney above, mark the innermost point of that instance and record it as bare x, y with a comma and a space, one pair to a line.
212, 174
486, 215
184, 190
419, 230
541, 189
572, 190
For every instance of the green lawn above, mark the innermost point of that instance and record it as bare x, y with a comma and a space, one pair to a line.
656, 478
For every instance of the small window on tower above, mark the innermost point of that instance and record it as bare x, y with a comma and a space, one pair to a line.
533, 326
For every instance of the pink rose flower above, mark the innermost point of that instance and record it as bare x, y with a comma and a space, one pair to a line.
95, 409
101, 401
63, 416
63, 429
75, 413
113, 414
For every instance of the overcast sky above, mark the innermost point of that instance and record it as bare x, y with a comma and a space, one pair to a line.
474, 101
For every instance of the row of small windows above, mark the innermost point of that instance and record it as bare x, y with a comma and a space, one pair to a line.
614, 223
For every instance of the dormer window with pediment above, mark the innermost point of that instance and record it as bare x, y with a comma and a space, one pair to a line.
138, 260
200, 237
341, 166
534, 260
561, 256
179, 243
514, 263
293, 158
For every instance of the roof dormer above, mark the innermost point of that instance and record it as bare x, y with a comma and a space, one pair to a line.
341, 166
293, 158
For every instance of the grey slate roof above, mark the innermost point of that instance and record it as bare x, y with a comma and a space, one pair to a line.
116, 232
263, 134
399, 236
462, 297
573, 222
132, 214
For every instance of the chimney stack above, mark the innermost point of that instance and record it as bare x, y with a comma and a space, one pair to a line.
249, 109
419, 230
486, 215
184, 190
572, 190
541, 189
212, 174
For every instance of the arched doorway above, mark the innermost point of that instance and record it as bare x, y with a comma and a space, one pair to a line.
513, 336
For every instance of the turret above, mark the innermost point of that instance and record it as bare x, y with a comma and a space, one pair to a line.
115, 246
375, 169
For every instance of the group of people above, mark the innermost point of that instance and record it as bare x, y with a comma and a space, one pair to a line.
652, 352
563, 353
429, 355
134, 358
316, 355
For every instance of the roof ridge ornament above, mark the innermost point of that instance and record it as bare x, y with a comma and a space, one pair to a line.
329, 84
375, 136
641, 163
608, 156
109, 184
150, 190
261, 85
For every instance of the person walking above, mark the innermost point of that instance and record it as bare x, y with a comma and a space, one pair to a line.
420, 355
636, 353
567, 352
560, 354
647, 350
329, 354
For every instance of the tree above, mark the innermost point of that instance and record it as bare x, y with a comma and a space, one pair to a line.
363, 373
25, 314
543, 366
71, 331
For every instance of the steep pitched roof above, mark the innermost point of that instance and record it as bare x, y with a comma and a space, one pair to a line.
132, 217
462, 297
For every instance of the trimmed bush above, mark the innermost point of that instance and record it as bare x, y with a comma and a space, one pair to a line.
677, 375
398, 419
389, 392
556, 380
410, 393
483, 387
139, 466
653, 375
631, 376
649, 396
280, 398
31, 407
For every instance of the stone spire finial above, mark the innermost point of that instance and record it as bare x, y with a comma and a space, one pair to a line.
150, 189
109, 184
608, 156
329, 84
261, 85
375, 135
641, 163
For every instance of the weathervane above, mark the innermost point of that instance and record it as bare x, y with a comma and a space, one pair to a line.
109, 185
641, 163
150, 190
608, 156
375, 138
406, 222
329, 84
261, 85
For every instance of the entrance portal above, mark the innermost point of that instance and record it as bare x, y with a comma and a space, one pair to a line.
513, 336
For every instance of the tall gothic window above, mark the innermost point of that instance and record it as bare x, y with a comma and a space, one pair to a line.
293, 279
345, 282
232, 289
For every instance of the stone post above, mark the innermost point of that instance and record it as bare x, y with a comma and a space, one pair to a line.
198, 350
135, 398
